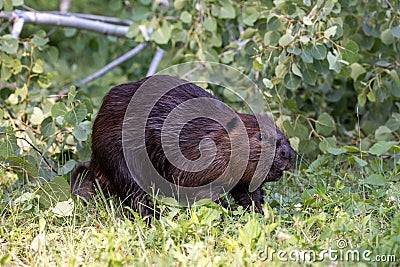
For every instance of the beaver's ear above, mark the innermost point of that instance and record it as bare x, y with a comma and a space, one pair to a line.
231, 124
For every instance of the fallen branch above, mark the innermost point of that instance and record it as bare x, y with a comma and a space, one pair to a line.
68, 20
95, 23
112, 20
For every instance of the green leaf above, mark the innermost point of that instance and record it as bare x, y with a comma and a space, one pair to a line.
5, 72
395, 92
325, 124
381, 147
17, 2
326, 143
304, 39
81, 131
227, 10
296, 70
15, 66
320, 161
9, 45
38, 66
296, 129
186, 17
356, 71
362, 99
286, 39
387, 37
273, 24
162, 35
37, 116
210, 24
396, 31
310, 76
7, 5
291, 104
280, 70
395, 77
76, 115
339, 32
319, 51
336, 151
250, 48
40, 38
250, 15
306, 56
179, 4
8, 144
330, 32
85, 152
350, 53
322, 66
47, 127
88, 105
352, 149
294, 50
31, 169
248, 33
52, 192
44, 81
251, 231
375, 179
383, 133
291, 81
68, 167
371, 96
334, 63
70, 32
1, 115
58, 109
271, 38
360, 162
133, 30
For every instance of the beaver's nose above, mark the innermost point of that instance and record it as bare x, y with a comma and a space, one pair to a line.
286, 152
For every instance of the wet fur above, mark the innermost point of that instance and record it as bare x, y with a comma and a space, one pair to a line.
108, 170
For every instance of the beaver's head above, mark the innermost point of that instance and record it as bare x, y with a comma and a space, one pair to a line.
284, 157
270, 150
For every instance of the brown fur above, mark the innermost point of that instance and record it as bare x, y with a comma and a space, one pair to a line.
109, 168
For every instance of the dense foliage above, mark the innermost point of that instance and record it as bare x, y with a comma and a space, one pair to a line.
329, 69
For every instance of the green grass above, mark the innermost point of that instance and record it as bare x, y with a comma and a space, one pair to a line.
320, 208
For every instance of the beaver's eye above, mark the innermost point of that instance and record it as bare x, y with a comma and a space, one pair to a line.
261, 137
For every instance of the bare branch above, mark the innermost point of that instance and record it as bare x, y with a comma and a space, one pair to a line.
65, 5
155, 62
111, 20
66, 20
113, 64
17, 27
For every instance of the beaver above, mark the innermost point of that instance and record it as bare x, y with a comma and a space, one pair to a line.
109, 171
